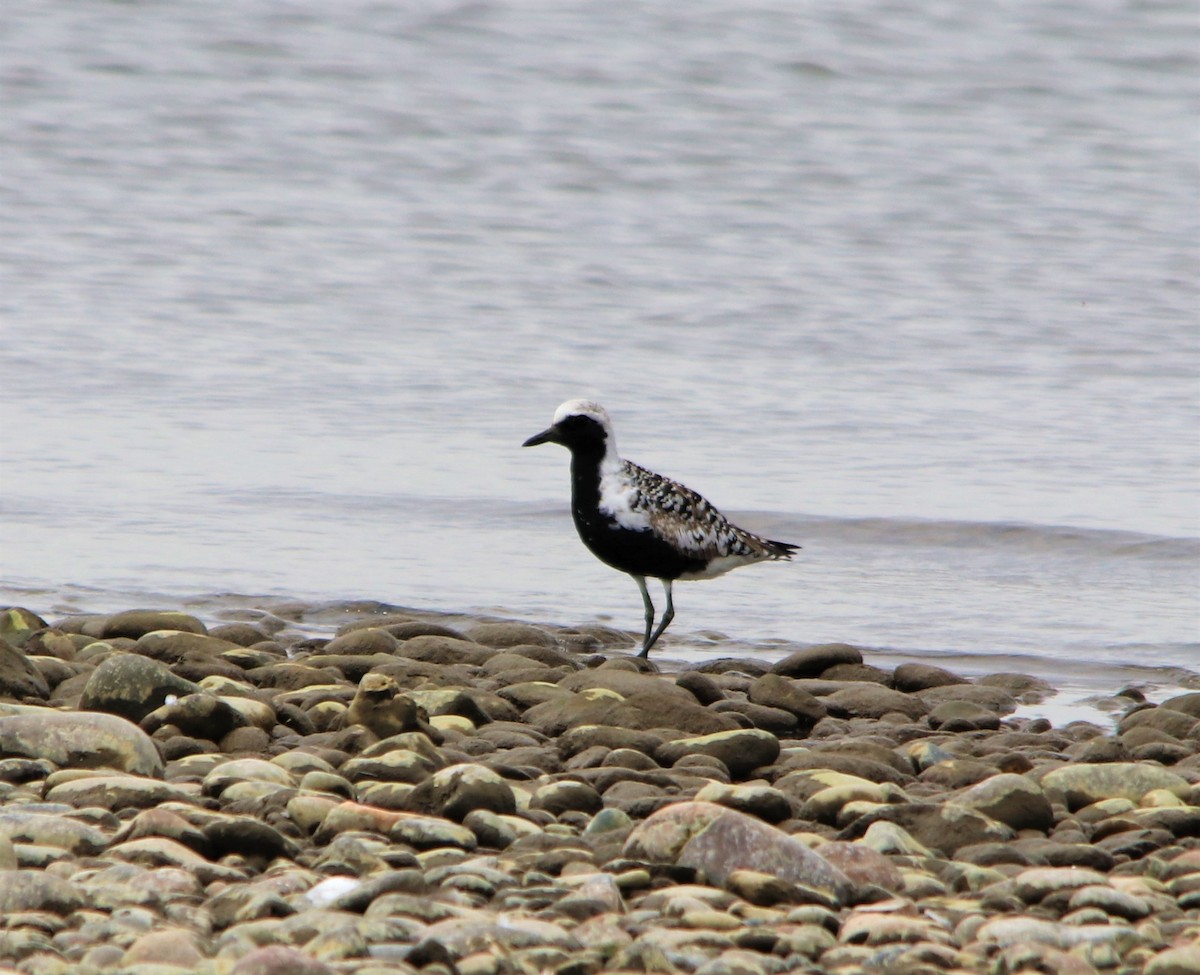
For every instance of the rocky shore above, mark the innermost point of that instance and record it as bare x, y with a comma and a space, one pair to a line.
243, 798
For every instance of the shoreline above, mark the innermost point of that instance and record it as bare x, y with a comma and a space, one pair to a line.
439, 793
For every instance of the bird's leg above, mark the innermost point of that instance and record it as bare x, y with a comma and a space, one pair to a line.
646, 641
663, 623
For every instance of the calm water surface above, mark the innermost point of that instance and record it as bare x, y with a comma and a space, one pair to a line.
284, 286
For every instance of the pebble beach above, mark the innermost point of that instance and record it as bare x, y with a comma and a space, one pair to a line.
239, 797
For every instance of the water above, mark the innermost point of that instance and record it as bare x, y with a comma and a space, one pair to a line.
284, 286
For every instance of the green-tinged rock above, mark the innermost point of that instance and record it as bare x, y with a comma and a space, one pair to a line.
18, 624
80, 740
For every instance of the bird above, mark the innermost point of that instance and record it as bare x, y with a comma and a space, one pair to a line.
642, 523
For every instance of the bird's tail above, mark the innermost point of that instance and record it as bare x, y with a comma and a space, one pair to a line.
781, 550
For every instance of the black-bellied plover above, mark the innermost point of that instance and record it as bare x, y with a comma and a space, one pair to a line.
641, 522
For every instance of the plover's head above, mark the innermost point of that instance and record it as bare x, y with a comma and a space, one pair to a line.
581, 426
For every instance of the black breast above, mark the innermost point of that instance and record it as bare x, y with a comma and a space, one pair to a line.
637, 552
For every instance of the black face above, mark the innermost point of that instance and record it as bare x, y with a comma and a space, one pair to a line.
579, 434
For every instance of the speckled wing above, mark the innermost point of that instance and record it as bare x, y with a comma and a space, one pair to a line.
683, 519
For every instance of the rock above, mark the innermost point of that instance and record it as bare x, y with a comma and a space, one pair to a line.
774, 691
1183, 960
365, 641
131, 686
1037, 883
765, 889
136, 623
938, 826
505, 634
957, 716
641, 712
1080, 785
117, 792
279, 960
702, 687
19, 678
719, 841
35, 890
197, 716
768, 804
873, 701
814, 661
1177, 724
176, 947
18, 624
557, 798
912, 677
864, 865
80, 740
1011, 799
740, 751
457, 790
44, 829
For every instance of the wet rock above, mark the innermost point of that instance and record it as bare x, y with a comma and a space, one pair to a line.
131, 686
80, 740
814, 661
368, 640
740, 751
910, 677
136, 623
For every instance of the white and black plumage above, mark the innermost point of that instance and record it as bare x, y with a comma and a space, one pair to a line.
641, 522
